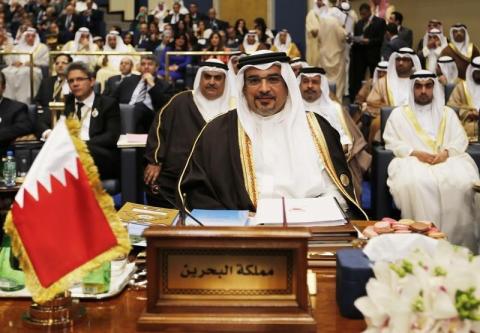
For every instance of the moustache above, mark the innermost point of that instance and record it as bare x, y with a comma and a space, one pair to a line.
264, 95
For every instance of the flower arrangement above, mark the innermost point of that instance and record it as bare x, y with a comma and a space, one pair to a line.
438, 292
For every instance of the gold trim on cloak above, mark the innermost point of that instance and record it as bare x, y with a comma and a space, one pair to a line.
160, 121
468, 57
467, 95
433, 144
246, 158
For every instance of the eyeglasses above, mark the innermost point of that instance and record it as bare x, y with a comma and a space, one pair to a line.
253, 81
78, 79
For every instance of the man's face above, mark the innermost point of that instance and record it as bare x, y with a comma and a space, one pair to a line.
404, 66
212, 84
423, 92
265, 90
310, 88
438, 70
251, 39
296, 69
176, 8
391, 19
84, 36
144, 29
80, 85
212, 13
381, 74
235, 64
148, 66
193, 8
112, 42
30, 38
365, 14
458, 35
320, 3
283, 37
126, 66
61, 64
476, 76
69, 10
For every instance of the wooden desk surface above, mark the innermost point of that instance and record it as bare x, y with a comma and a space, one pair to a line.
120, 314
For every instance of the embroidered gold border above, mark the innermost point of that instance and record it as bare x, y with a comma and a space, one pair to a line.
390, 100
460, 54
467, 94
343, 122
322, 148
246, 158
160, 121
433, 144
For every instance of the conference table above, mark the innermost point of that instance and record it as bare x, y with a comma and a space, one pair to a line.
120, 313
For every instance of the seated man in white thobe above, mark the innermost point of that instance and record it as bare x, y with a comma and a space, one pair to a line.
431, 176
18, 71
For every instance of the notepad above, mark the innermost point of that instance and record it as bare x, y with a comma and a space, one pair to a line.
322, 211
219, 218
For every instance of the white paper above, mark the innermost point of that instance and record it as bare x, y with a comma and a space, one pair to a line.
393, 247
308, 212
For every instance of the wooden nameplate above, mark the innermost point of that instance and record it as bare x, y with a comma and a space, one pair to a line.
227, 280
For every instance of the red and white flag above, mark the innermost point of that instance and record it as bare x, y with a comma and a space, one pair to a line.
62, 223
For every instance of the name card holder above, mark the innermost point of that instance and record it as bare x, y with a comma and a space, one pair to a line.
227, 280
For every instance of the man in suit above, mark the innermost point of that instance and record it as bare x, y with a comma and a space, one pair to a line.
195, 15
367, 42
99, 118
393, 42
146, 91
69, 22
175, 15
404, 33
52, 89
14, 119
92, 18
214, 23
126, 66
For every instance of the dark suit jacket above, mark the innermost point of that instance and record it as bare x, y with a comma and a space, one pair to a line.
105, 128
407, 35
216, 24
111, 85
14, 122
76, 20
169, 17
375, 32
45, 91
158, 93
93, 21
392, 46
104, 132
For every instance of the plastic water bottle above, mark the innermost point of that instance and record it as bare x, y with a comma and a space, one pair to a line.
9, 170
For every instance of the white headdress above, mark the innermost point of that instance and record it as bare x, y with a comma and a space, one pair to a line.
209, 109
473, 87
429, 115
449, 68
461, 47
282, 47
399, 86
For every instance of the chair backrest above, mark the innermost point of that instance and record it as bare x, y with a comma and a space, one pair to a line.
97, 88
384, 114
448, 91
333, 88
127, 119
32, 113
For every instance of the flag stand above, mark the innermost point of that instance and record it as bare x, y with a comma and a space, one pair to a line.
61, 312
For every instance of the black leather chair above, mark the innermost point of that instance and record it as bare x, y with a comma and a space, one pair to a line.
382, 202
131, 176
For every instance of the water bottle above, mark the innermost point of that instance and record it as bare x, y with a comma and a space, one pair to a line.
9, 170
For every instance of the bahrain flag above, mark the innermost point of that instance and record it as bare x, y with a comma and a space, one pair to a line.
62, 222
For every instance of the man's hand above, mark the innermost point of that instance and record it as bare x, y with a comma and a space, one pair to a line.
151, 173
442, 79
440, 157
149, 79
105, 61
423, 156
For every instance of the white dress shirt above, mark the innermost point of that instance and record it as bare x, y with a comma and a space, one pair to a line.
87, 110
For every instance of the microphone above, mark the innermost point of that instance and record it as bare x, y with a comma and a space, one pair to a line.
182, 210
